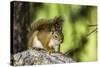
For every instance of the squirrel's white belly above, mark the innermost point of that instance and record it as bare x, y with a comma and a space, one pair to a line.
54, 43
37, 43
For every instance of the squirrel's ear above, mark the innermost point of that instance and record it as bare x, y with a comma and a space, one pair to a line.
58, 21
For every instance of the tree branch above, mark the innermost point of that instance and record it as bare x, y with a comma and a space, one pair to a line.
37, 57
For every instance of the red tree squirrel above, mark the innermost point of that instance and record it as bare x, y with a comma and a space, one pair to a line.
46, 35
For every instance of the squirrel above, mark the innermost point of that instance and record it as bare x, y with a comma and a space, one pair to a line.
47, 34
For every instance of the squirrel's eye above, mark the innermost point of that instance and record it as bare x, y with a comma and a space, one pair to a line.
55, 36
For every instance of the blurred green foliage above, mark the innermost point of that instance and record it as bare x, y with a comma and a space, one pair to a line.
79, 42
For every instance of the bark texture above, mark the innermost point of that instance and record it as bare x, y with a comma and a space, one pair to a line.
38, 57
